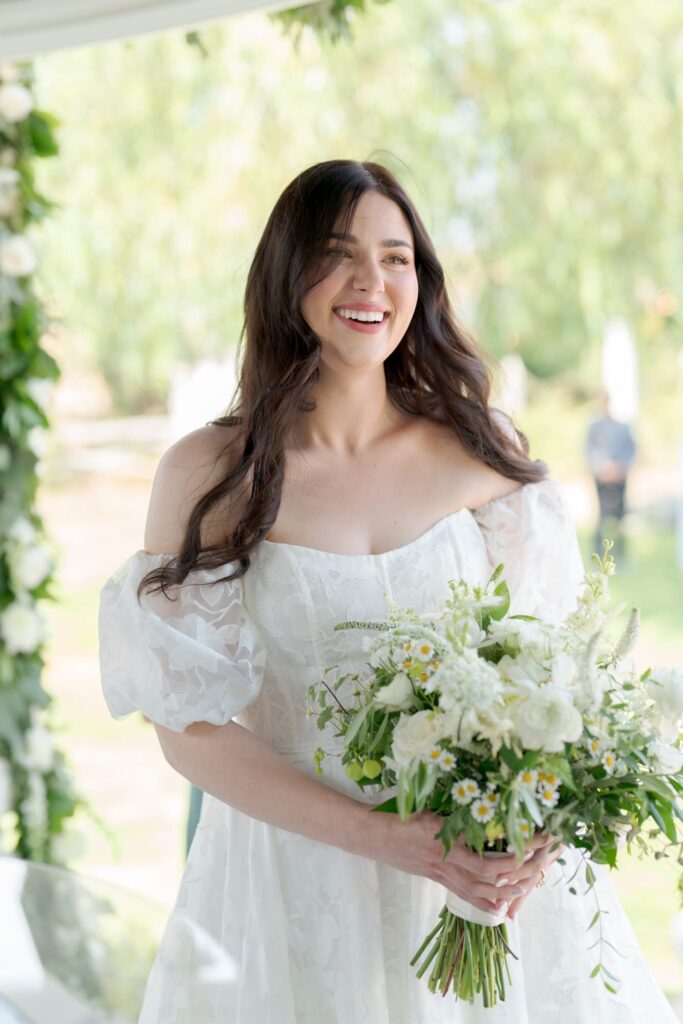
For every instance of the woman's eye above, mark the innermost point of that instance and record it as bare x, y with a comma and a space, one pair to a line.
400, 259
337, 253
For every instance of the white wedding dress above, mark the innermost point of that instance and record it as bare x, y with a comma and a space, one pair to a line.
309, 933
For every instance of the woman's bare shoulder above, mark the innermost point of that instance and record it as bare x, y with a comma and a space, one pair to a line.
479, 483
189, 469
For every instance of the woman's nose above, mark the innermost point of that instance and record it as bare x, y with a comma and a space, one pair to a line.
368, 277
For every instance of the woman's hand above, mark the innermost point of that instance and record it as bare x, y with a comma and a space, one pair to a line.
537, 866
487, 883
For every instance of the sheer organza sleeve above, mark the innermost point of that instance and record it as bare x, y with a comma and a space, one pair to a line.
531, 530
198, 658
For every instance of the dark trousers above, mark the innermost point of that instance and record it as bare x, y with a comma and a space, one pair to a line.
612, 502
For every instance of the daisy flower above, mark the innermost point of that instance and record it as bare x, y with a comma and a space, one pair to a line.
447, 761
548, 795
528, 777
482, 810
433, 755
465, 791
423, 650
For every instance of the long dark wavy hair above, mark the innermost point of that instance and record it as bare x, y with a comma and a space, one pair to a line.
436, 370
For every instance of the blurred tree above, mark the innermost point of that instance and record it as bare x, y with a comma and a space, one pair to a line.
542, 144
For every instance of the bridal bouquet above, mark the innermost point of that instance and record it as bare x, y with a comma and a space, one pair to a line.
505, 725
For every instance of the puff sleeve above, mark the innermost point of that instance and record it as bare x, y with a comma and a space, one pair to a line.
531, 530
198, 658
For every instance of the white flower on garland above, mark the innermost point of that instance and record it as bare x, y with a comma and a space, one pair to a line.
16, 102
22, 530
17, 258
39, 753
5, 786
22, 627
29, 566
33, 807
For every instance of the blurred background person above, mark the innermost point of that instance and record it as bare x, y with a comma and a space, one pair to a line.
610, 451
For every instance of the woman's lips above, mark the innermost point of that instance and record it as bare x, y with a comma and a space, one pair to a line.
363, 326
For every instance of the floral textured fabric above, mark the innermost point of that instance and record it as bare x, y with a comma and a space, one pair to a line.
308, 932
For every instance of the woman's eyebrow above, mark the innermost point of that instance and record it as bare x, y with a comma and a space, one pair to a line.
387, 243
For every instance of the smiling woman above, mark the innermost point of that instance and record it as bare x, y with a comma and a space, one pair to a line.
367, 453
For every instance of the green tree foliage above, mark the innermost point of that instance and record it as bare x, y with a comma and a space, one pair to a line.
541, 142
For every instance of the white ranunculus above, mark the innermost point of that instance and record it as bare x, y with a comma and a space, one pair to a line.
525, 672
22, 628
38, 753
666, 759
29, 566
5, 786
17, 258
415, 734
398, 695
544, 720
16, 102
665, 687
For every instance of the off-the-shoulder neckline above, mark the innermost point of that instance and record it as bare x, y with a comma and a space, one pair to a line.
473, 513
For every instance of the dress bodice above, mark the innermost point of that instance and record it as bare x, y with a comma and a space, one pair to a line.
249, 648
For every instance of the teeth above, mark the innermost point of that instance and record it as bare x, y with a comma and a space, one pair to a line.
356, 314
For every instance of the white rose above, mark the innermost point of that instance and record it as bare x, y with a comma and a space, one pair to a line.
5, 786
398, 695
665, 687
29, 566
546, 721
415, 734
666, 760
22, 628
16, 102
38, 753
525, 672
17, 258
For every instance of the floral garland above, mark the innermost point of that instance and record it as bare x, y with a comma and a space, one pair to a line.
331, 18
36, 788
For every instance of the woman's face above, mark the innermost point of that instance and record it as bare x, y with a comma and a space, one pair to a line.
370, 271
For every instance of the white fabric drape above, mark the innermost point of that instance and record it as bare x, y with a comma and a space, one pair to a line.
31, 27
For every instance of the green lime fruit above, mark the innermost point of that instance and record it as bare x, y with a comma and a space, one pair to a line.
354, 771
371, 769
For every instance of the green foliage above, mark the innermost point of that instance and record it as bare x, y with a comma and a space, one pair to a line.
37, 795
499, 118
331, 18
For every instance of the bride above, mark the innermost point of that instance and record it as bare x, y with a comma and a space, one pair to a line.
360, 461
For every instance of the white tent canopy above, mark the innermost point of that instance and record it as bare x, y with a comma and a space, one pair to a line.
30, 27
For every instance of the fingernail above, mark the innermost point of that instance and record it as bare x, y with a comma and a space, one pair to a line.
517, 891
502, 881
528, 855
